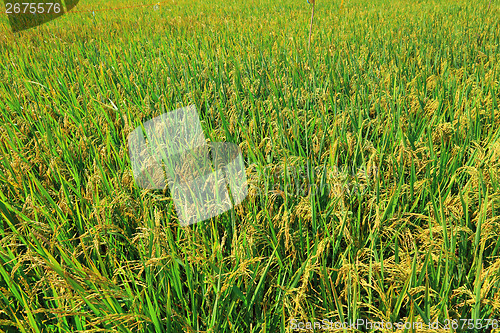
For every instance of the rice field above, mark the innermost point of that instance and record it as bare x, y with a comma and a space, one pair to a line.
372, 161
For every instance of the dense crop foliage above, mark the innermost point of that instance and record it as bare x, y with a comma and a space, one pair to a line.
372, 159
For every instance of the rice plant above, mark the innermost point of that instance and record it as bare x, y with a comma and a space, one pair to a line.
372, 160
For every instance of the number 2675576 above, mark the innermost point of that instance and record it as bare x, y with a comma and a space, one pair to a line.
32, 8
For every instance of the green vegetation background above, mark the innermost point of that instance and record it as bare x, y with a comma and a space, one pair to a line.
407, 88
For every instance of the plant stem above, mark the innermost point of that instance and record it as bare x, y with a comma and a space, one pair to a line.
311, 25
